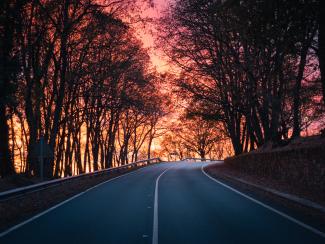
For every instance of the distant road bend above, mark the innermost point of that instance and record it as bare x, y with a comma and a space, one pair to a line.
163, 203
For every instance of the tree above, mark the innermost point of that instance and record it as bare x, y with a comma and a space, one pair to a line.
10, 19
198, 136
241, 63
82, 75
321, 43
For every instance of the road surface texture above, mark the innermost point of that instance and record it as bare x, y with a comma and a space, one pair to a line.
163, 203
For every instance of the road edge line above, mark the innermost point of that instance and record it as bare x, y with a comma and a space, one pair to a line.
292, 219
155, 209
287, 196
17, 226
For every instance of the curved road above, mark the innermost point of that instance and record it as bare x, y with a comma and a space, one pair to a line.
164, 203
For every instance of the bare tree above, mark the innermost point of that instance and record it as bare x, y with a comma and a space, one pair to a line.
241, 63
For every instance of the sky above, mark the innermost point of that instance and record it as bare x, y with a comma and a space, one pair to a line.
147, 35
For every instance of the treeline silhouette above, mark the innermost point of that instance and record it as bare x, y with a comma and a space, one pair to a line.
194, 137
256, 67
73, 73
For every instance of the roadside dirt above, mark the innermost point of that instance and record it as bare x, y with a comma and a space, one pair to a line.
224, 169
229, 175
15, 181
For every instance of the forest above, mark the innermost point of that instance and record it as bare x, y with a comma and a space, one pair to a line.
75, 74
256, 68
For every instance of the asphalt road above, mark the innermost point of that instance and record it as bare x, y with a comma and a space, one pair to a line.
164, 203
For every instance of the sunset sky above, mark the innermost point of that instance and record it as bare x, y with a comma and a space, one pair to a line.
147, 36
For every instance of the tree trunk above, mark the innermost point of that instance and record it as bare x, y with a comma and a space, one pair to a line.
321, 45
202, 154
150, 143
63, 71
5, 159
296, 103
8, 12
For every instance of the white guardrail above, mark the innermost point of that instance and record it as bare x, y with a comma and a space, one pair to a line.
203, 159
47, 184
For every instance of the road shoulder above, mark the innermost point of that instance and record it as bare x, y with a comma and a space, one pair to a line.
307, 214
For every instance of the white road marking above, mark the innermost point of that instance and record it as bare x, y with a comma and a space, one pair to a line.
308, 227
2, 234
155, 210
